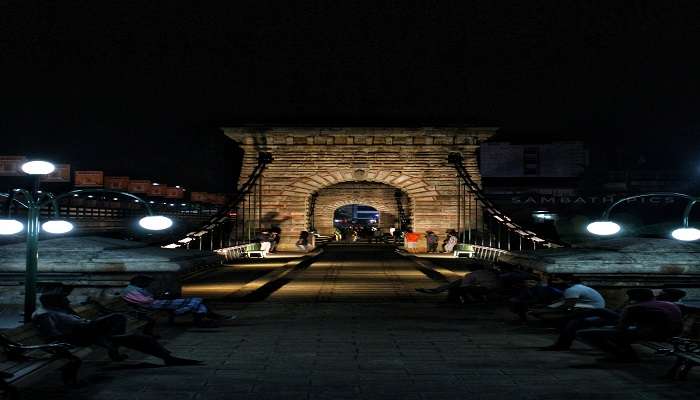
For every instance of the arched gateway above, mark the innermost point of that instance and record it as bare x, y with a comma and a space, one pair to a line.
396, 170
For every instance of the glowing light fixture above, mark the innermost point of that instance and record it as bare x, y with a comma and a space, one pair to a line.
10, 226
686, 234
38, 167
57, 226
155, 222
603, 228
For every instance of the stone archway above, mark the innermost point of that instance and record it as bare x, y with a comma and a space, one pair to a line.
378, 195
308, 159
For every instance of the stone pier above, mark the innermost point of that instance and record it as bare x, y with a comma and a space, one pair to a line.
368, 163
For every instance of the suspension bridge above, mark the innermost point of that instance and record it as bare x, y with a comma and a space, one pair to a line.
418, 179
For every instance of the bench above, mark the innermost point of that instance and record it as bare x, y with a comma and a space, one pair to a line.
22, 365
25, 357
685, 348
687, 353
254, 250
256, 254
464, 253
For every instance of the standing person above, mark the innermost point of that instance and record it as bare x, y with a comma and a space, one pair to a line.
137, 293
275, 241
303, 241
431, 240
450, 241
411, 239
265, 241
57, 321
378, 234
396, 235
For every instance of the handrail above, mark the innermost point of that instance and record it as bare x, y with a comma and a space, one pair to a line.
221, 217
457, 161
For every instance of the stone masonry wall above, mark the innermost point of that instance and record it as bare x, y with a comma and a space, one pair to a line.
308, 159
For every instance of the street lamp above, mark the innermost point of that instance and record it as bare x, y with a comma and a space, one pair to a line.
606, 227
34, 201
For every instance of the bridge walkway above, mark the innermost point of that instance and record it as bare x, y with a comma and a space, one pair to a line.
357, 273
350, 327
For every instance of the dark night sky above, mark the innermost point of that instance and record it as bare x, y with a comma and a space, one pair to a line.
140, 87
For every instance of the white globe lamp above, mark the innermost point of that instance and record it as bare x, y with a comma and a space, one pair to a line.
155, 222
10, 226
38, 168
57, 226
603, 228
686, 234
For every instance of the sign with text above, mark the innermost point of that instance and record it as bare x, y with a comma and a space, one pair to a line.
199, 197
139, 186
174, 193
88, 179
158, 190
60, 174
10, 165
217, 198
117, 183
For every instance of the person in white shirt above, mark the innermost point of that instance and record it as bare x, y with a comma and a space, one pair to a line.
576, 297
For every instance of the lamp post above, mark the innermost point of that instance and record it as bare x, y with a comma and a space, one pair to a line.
34, 201
606, 227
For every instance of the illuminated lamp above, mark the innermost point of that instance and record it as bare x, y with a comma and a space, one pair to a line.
155, 222
686, 234
57, 226
10, 226
38, 167
603, 228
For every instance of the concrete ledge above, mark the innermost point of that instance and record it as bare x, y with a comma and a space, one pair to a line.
97, 267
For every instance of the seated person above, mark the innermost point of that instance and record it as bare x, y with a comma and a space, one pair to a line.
137, 293
672, 295
534, 292
576, 298
57, 322
582, 319
646, 318
475, 285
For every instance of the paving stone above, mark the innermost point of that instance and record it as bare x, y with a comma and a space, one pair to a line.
394, 349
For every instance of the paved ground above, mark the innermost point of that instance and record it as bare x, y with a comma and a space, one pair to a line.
351, 326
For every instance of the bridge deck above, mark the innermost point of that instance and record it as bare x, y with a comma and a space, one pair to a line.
350, 327
356, 273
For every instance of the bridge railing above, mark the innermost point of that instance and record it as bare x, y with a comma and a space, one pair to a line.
481, 224
237, 221
234, 252
488, 253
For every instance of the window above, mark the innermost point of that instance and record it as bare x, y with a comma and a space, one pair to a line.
531, 161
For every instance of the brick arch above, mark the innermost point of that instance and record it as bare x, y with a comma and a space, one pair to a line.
415, 186
310, 158
378, 195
